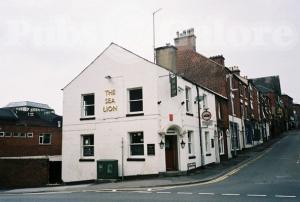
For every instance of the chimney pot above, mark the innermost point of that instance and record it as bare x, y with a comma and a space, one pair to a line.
186, 40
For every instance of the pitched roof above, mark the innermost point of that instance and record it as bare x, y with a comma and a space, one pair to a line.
182, 76
269, 84
189, 63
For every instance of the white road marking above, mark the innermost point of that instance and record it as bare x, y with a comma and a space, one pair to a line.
231, 194
163, 192
184, 193
47, 193
256, 195
284, 196
206, 193
144, 192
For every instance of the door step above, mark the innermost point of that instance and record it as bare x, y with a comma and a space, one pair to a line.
172, 173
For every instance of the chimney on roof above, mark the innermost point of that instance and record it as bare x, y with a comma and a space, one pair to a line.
218, 59
166, 57
235, 70
185, 40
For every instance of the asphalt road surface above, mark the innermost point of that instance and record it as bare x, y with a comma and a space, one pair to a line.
275, 176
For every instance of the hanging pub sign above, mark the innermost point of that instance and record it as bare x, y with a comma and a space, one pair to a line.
206, 115
173, 84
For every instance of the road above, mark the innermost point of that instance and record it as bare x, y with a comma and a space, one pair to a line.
273, 177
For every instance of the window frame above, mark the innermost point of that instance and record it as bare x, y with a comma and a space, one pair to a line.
136, 144
10, 134
207, 142
83, 106
82, 145
219, 108
188, 99
221, 143
205, 103
31, 136
190, 136
129, 101
42, 136
1, 134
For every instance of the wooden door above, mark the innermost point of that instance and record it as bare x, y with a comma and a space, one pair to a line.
171, 152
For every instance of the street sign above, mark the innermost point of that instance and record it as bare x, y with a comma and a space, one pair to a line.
206, 115
173, 84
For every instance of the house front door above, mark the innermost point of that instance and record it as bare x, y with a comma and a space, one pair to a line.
171, 152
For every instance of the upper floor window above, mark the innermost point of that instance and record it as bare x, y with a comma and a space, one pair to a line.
188, 99
205, 104
88, 105
241, 90
250, 92
45, 138
219, 110
7, 134
87, 145
135, 100
245, 92
136, 143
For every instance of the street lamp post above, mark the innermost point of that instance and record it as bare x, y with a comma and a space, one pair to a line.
153, 18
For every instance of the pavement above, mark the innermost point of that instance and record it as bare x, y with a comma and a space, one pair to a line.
211, 173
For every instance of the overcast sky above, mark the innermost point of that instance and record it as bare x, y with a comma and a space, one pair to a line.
44, 44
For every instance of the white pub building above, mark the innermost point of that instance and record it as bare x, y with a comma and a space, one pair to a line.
123, 107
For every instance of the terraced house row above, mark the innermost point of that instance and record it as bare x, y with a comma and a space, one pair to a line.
124, 116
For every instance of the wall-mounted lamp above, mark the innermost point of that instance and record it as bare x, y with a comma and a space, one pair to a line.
182, 143
161, 144
107, 77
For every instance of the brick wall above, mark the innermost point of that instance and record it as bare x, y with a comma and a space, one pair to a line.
16, 173
25, 146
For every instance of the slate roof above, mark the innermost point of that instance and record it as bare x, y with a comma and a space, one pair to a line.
187, 64
269, 84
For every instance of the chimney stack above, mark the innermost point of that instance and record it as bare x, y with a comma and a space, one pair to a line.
235, 70
218, 59
166, 57
185, 40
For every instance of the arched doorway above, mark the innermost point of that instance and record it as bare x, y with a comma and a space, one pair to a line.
171, 148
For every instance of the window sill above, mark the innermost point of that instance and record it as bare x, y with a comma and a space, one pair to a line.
137, 114
189, 114
86, 160
87, 118
208, 155
192, 157
135, 159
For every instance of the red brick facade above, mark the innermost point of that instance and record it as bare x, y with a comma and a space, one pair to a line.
29, 146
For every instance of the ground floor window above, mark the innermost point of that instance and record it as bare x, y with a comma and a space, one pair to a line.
207, 142
87, 145
235, 142
45, 138
136, 143
190, 142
